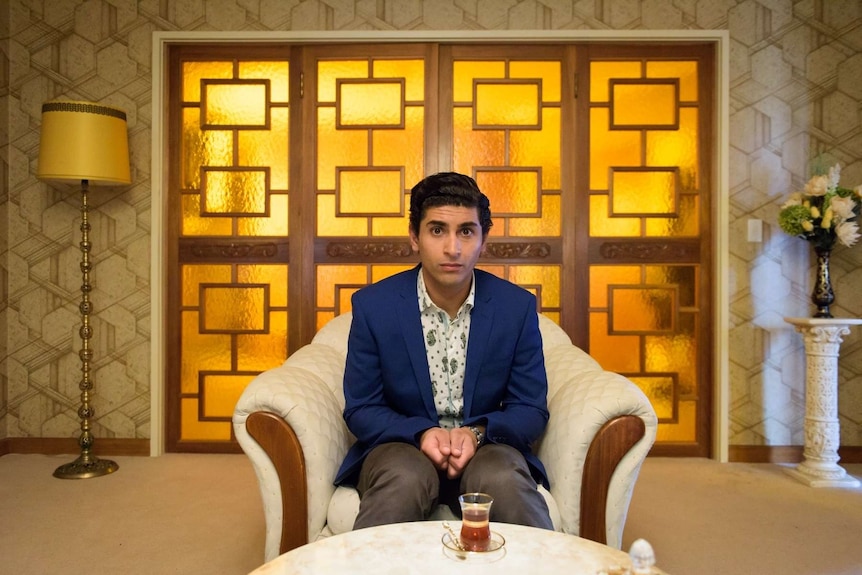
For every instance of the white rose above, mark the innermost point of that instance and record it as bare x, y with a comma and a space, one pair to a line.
842, 208
817, 186
847, 233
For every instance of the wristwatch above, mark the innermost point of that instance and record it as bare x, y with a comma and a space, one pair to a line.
480, 437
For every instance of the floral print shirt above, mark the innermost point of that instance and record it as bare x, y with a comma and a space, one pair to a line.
446, 345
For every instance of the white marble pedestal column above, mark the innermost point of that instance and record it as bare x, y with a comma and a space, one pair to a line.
822, 337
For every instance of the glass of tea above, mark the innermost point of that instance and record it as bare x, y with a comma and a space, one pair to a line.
475, 521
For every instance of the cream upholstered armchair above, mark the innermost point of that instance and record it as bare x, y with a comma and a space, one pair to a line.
288, 421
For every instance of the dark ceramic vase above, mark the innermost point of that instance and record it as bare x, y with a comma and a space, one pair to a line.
822, 296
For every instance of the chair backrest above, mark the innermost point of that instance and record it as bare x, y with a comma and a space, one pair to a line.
335, 332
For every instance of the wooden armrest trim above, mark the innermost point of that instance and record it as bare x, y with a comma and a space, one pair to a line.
612, 442
280, 443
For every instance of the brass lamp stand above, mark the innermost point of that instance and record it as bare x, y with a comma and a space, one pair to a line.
83, 142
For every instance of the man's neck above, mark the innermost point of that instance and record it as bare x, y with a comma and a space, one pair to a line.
448, 301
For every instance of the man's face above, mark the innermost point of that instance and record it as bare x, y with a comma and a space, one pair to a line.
449, 243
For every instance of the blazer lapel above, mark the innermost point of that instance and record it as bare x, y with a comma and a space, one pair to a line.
481, 322
411, 330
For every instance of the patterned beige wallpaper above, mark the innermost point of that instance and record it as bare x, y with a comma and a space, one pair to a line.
795, 94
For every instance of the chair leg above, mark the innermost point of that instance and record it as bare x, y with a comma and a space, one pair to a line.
612, 442
279, 441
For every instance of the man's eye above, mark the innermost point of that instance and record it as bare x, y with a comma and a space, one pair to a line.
466, 232
436, 230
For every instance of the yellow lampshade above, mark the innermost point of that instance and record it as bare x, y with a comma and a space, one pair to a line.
83, 141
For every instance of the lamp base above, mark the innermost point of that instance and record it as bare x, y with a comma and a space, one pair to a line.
85, 468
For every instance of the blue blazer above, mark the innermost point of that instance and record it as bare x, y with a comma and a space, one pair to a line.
387, 385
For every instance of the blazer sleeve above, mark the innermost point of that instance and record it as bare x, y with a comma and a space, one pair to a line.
519, 414
379, 404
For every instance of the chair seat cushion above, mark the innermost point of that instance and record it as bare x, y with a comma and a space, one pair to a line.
344, 507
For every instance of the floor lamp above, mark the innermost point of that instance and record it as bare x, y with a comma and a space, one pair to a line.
84, 143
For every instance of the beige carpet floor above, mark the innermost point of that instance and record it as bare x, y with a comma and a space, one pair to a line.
201, 514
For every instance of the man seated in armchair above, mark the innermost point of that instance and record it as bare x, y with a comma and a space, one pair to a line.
445, 386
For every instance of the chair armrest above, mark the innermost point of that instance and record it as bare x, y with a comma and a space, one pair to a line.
593, 446
300, 453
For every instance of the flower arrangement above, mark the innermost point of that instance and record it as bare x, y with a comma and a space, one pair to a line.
823, 212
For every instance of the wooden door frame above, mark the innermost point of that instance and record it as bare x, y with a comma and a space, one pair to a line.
720, 175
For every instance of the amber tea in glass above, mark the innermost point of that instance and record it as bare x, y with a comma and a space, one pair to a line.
475, 521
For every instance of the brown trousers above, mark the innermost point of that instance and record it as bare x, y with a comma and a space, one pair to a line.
398, 483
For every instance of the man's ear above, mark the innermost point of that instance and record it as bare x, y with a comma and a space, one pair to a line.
414, 240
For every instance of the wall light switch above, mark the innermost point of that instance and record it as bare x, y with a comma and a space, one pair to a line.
755, 230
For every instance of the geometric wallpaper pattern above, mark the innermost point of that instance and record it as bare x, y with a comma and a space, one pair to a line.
795, 97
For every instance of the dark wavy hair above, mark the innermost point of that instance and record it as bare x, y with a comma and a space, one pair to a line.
448, 189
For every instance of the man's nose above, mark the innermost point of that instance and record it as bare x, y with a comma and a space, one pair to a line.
453, 245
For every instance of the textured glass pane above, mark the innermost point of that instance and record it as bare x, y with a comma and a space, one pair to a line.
659, 390
676, 352
274, 225
268, 148
686, 224
191, 429
234, 308
388, 226
476, 148
202, 148
193, 72
539, 148
685, 71
610, 148
548, 224
549, 72
510, 192
378, 104
344, 299
644, 104
684, 430
642, 309
413, 72
547, 278
677, 148
194, 275
403, 147
199, 350
372, 191
507, 104
603, 276
381, 272
620, 353
330, 225
235, 191
275, 276
329, 72
466, 71
330, 277
221, 392
643, 192
278, 74
602, 72
229, 104
195, 225
337, 148
603, 226
684, 278
259, 352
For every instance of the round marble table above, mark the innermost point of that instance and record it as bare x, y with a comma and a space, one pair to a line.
417, 549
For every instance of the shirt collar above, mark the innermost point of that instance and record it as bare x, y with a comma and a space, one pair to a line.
425, 301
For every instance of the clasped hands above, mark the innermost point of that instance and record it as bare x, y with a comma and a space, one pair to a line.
450, 450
